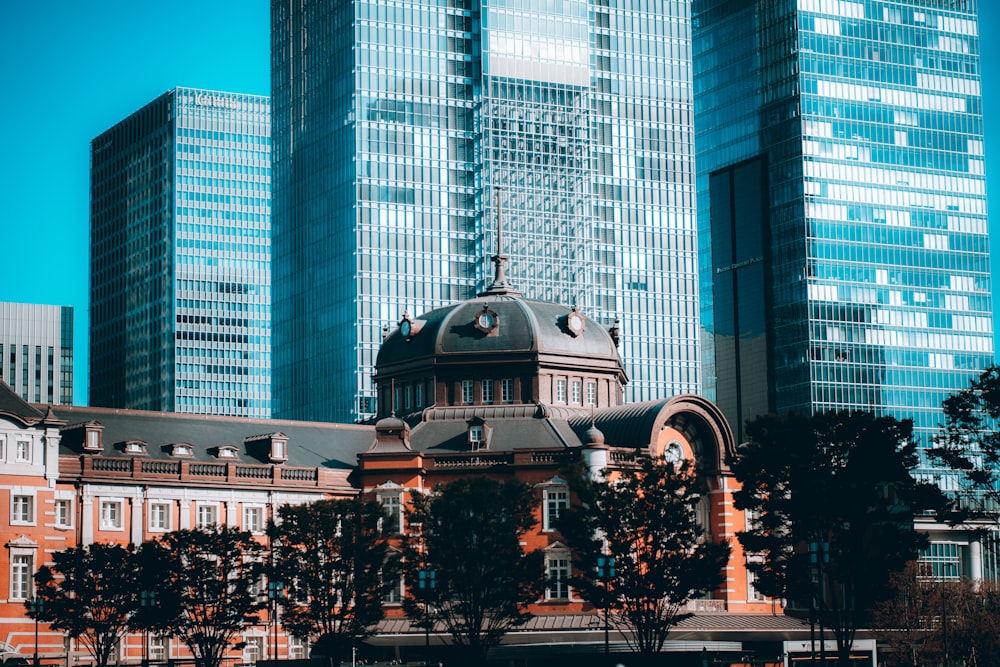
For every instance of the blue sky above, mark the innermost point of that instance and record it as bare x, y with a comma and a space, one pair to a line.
71, 70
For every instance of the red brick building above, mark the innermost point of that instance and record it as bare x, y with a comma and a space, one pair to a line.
496, 386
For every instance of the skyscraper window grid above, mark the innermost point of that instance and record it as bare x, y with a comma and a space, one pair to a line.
393, 124
847, 201
180, 290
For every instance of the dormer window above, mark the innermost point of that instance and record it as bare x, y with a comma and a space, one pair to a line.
182, 449
476, 438
478, 434
226, 453
93, 439
135, 447
273, 446
279, 448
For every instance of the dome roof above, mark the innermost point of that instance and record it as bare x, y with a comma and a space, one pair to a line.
511, 324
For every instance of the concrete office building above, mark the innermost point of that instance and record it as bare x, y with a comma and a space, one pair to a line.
403, 130
36, 351
180, 257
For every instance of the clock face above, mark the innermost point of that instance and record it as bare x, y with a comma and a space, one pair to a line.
405, 328
673, 453
575, 322
486, 320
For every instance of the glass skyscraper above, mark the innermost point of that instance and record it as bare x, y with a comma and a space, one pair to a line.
842, 205
36, 351
401, 127
180, 292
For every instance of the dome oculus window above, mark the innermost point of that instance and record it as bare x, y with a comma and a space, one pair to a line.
486, 321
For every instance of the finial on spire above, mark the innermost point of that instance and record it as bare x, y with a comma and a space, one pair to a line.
500, 283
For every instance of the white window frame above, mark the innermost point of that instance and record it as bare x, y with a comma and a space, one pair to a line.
297, 648
22, 451
396, 593
558, 560
62, 519
112, 511
253, 648
591, 393
577, 389
22, 509
477, 437
250, 510
22, 572
155, 525
211, 511
507, 390
159, 648
468, 393
391, 498
561, 390
487, 390
555, 499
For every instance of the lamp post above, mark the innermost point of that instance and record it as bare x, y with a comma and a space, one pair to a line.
36, 606
427, 582
605, 573
275, 591
147, 600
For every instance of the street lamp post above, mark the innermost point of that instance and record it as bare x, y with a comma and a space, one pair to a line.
427, 582
605, 573
36, 606
275, 591
147, 600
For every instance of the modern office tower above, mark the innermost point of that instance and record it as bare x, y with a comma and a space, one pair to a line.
842, 205
36, 351
180, 292
404, 130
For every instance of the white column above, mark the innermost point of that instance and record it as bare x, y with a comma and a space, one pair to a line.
184, 516
87, 519
976, 559
138, 514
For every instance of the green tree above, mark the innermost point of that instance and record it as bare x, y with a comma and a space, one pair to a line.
647, 521
208, 595
969, 445
336, 565
832, 500
90, 594
468, 533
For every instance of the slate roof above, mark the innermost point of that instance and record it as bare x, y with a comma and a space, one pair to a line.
524, 326
14, 405
310, 444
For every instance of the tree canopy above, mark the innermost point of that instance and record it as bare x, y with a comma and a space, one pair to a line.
211, 587
647, 521
968, 445
90, 593
468, 534
336, 566
831, 500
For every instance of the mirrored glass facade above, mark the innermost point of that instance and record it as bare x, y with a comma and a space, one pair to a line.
400, 127
180, 257
842, 205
